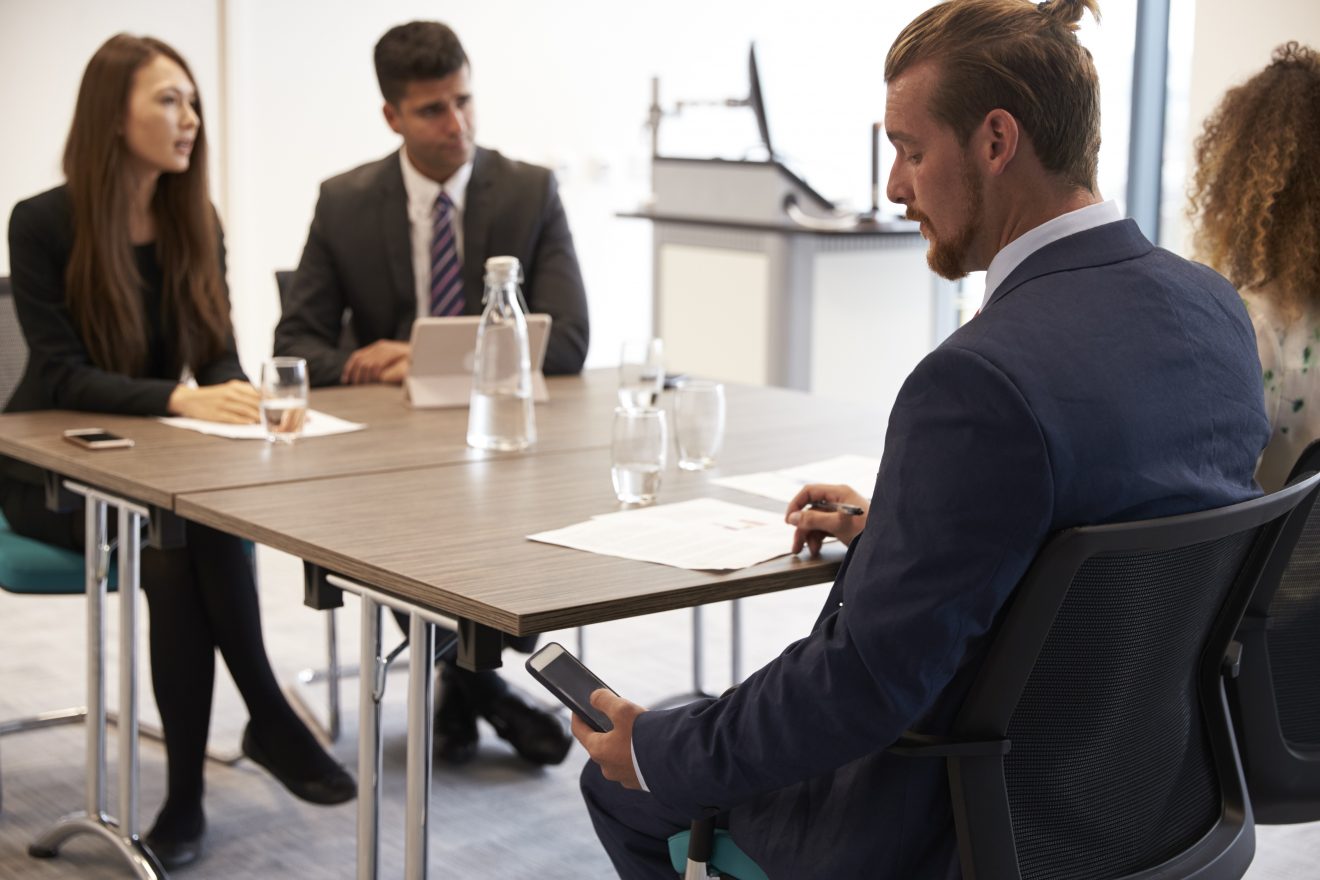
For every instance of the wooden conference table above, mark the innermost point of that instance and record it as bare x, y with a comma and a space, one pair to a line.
374, 507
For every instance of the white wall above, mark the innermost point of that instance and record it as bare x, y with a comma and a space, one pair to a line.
45, 45
1231, 42
567, 86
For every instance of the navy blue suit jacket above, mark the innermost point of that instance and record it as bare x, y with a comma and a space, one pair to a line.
1106, 380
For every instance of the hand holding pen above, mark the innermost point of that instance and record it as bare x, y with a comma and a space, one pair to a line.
822, 511
837, 507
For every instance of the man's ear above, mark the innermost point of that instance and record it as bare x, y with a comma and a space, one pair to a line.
391, 116
1000, 136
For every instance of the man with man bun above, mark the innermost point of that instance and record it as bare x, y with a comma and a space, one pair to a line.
1103, 380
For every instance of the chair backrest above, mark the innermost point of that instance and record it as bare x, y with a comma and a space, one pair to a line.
1276, 698
13, 347
284, 281
1104, 676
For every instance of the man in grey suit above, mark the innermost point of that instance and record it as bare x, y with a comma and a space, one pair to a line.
408, 236
367, 261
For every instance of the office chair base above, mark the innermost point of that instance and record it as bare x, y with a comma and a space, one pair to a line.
78, 714
698, 691
140, 858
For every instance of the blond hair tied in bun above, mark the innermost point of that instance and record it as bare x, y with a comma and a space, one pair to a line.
1069, 12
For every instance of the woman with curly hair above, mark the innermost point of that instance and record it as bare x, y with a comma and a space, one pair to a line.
1255, 200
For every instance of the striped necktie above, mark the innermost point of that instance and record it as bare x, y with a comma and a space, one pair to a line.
446, 268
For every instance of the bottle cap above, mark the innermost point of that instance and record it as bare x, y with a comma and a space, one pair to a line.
502, 270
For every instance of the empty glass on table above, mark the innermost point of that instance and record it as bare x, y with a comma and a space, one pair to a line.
698, 422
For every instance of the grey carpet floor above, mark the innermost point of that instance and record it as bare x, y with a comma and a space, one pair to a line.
497, 817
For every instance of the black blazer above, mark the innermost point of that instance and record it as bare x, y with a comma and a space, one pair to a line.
1107, 380
358, 259
60, 373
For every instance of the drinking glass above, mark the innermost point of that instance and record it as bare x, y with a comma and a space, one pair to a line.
638, 453
283, 398
698, 423
641, 373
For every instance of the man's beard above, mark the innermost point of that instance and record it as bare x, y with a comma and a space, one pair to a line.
947, 255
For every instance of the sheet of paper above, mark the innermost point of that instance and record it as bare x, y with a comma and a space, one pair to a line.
318, 424
857, 471
705, 534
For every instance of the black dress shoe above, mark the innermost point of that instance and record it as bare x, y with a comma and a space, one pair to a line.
333, 786
537, 736
174, 853
455, 739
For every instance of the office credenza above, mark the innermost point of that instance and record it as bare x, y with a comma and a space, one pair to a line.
745, 294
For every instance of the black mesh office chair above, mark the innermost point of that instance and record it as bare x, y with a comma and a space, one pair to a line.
12, 343
1276, 699
1096, 741
32, 568
29, 567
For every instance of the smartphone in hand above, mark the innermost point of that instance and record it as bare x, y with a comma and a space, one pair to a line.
565, 677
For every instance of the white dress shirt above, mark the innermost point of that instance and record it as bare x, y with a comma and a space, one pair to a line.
422, 192
1017, 250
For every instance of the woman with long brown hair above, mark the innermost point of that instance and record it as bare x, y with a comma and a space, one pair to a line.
1255, 200
118, 280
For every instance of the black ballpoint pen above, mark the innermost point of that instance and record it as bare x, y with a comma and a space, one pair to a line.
836, 507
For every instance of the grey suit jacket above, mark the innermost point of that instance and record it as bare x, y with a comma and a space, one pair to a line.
357, 264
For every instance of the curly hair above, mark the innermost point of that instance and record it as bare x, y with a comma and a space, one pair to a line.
1255, 197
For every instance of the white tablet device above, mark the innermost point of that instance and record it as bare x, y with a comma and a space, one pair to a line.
442, 353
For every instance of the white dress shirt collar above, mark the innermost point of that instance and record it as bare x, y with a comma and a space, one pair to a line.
1017, 250
422, 191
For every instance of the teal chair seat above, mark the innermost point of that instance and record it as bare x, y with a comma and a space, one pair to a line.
725, 857
28, 566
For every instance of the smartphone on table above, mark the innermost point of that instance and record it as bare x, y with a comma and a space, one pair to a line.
97, 438
565, 677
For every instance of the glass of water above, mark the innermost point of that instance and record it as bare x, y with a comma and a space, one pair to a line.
698, 423
641, 373
637, 456
283, 398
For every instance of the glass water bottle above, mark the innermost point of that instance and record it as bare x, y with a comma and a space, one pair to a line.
500, 416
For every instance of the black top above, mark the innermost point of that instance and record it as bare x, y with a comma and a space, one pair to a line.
60, 373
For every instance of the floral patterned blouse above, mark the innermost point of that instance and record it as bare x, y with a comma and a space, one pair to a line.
1290, 372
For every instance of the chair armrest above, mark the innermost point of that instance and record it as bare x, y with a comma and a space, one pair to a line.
1232, 662
926, 745
702, 840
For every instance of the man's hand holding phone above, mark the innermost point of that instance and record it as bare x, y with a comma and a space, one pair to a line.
602, 720
611, 750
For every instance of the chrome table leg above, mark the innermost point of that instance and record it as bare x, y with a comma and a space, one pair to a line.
122, 834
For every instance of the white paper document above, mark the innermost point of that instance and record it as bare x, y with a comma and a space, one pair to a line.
317, 424
857, 471
701, 534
